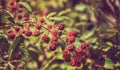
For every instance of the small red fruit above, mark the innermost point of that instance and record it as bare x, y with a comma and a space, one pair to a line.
79, 50
16, 28
72, 33
20, 10
71, 47
61, 26
53, 46
49, 26
26, 18
55, 38
42, 20
83, 45
36, 33
55, 32
11, 35
71, 39
45, 38
38, 26
28, 33
87, 53
66, 55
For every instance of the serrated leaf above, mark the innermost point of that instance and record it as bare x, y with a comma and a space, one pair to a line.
109, 64
15, 48
51, 14
27, 6
64, 12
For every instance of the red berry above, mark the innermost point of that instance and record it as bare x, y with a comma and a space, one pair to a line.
79, 50
55, 38
16, 28
42, 20
20, 10
49, 26
72, 33
53, 46
11, 35
87, 53
28, 33
26, 18
75, 61
36, 33
66, 55
71, 39
38, 26
83, 45
18, 56
12, 3
55, 32
71, 47
61, 26
45, 38
9, 31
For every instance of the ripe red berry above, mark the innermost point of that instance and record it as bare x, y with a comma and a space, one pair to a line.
61, 26
16, 28
42, 20
28, 33
12, 3
75, 61
83, 45
11, 35
38, 26
36, 33
20, 10
55, 32
87, 53
72, 33
71, 47
55, 38
53, 46
71, 39
79, 50
49, 26
26, 18
45, 38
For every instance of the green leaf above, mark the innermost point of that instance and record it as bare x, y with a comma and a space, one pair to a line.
80, 7
27, 6
51, 14
109, 64
15, 48
64, 12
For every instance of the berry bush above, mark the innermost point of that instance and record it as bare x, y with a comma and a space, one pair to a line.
59, 35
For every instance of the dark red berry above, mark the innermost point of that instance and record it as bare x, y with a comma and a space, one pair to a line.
49, 26
71, 39
83, 45
38, 26
36, 33
66, 55
79, 50
28, 33
61, 26
55, 38
16, 28
45, 38
55, 32
19, 16
75, 61
18, 56
71, 47
13, 8
9, 31
11, 35
72, 33
42, 20
53, 46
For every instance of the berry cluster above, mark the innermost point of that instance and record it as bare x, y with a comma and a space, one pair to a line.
76, 56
